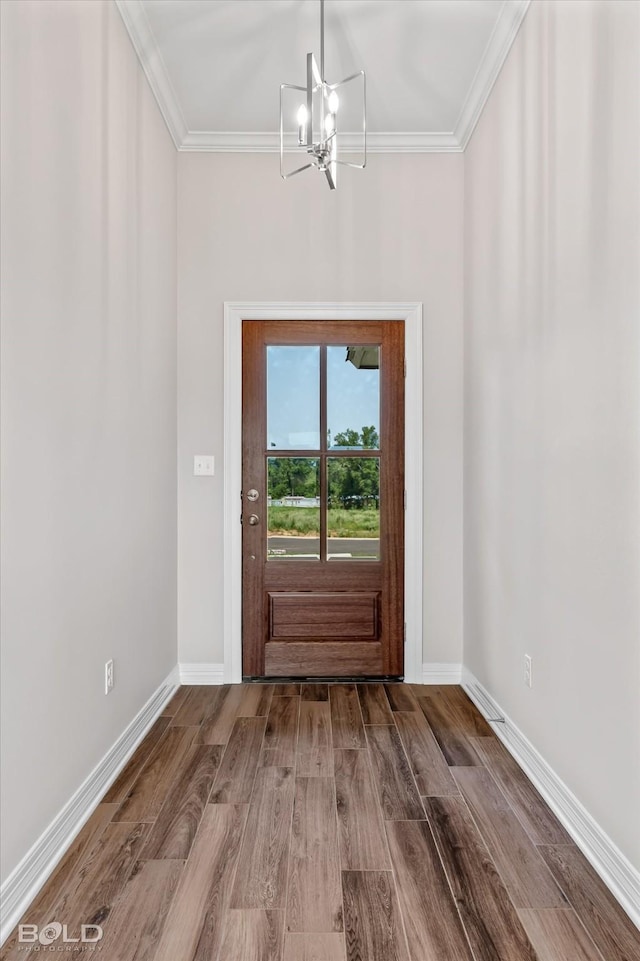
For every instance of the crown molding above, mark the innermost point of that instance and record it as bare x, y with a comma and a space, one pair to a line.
504, 33
259, 142
144, 43
148, 53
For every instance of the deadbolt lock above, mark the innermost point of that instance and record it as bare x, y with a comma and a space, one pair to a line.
252, 495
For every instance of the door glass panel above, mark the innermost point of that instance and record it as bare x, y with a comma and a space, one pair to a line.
353, 397
353, 508
293, 508
293, 398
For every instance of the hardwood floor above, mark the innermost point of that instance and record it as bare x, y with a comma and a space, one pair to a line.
328, 822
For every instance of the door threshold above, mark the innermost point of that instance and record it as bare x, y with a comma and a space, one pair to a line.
353, 679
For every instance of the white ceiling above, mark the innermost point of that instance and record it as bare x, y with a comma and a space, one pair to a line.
215, 66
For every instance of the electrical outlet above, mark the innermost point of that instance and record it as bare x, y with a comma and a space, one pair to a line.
108, 677
527, 671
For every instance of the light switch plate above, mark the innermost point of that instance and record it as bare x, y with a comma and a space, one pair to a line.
203, 465
108, 677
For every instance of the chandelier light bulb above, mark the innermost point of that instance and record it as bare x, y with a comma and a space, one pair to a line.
333, 102
302, 117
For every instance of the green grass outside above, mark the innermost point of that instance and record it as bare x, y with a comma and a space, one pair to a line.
305, 521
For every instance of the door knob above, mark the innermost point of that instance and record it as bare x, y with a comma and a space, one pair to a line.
253, 520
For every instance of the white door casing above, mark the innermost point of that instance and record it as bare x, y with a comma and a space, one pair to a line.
234, 314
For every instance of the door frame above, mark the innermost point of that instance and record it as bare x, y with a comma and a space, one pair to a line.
234, 313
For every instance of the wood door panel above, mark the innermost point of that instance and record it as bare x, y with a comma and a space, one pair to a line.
323, 658
336, 616
361, 576
311, 614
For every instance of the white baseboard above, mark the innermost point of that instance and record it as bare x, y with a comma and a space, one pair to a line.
201, 673
620, 876
25, 881
441, 673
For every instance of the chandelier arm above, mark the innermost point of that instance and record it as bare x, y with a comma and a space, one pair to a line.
310, 65
347, 163
298, 171
354, 76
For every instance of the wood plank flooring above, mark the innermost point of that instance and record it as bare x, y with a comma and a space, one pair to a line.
328, 822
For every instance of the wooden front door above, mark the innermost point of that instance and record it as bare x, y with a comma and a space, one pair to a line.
323, 499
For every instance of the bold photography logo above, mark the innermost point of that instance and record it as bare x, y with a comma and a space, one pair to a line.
52, 932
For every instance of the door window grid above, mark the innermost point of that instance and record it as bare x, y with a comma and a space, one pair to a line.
346, 504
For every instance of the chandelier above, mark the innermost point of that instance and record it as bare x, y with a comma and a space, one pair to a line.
315, 132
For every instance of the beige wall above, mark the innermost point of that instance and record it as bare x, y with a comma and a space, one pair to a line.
88, 401
552, 400
390, 233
